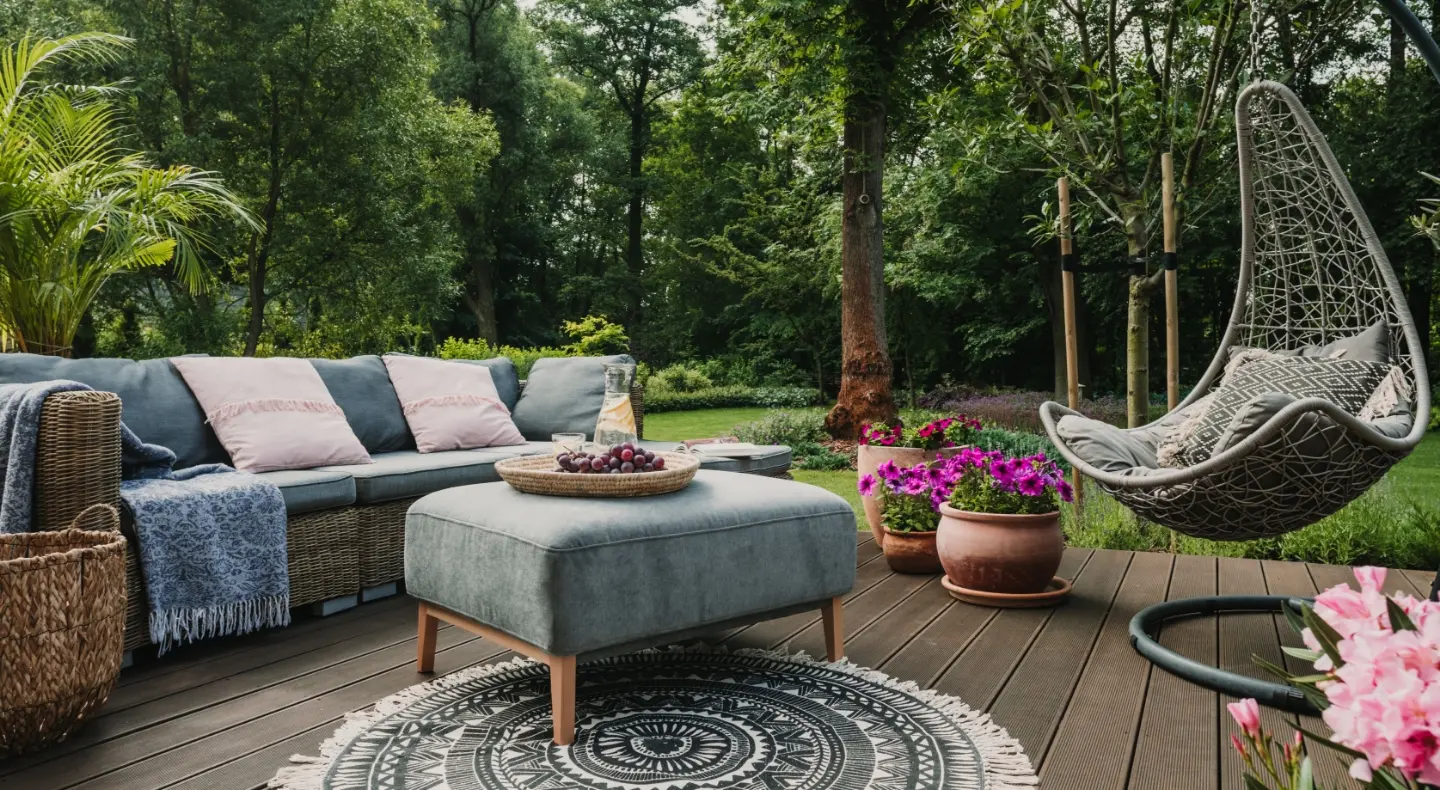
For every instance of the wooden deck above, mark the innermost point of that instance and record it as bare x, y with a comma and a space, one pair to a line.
1065, 682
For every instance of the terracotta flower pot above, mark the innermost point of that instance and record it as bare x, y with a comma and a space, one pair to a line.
870, 456
911, 552
999, 553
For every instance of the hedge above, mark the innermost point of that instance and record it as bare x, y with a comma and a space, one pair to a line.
658, 399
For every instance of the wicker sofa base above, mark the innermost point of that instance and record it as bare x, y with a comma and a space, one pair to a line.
324, 564
382, 541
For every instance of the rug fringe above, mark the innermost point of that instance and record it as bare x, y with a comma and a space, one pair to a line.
1005, 764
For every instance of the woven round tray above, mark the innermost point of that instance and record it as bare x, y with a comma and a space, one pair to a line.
536, 475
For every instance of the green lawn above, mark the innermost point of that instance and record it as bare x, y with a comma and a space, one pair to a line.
676, 426
1418, 477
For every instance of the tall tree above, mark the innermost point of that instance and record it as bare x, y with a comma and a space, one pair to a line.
855, 59
640, 52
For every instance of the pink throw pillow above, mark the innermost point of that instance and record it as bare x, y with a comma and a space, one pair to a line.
271, 414
450, 405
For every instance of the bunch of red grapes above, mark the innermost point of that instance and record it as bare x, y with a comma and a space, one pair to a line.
622, 459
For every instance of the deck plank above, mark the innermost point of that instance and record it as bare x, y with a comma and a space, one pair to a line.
860, 612
1176, 746
141, 745
1031, 696
1243, 637
775, 632
875, 645
1086, 743
930, 653
274, 726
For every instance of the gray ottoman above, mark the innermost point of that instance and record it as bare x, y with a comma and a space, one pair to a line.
563, 579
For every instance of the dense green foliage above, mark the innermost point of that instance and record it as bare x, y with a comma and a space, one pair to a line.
423, 170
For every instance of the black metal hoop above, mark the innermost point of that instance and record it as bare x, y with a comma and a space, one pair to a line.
1146, 624
1401, 13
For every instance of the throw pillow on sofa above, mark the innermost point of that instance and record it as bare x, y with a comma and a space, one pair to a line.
450, 405
564, 395
1256, 391
271, 414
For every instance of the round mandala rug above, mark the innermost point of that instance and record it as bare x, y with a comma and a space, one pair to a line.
669, 720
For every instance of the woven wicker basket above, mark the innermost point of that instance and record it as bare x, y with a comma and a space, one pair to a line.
62, 621
537, 475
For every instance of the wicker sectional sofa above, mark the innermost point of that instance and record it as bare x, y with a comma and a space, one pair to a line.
346, 526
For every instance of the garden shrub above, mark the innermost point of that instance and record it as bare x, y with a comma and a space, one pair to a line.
678, 378
784, 427
728, 397
818, 457
1018, 443
524, 358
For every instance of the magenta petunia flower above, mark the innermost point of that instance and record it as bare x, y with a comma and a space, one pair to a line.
915, 485
888, 470
1030, 485
867, 485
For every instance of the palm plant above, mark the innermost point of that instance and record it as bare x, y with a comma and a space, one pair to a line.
76, 207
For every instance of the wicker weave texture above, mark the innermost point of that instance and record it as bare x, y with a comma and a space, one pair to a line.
382, 541
62, 612
1311, 271
77, 456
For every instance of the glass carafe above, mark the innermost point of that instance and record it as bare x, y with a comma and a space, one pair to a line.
617, 420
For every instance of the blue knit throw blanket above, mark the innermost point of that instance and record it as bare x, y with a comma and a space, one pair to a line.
212, 540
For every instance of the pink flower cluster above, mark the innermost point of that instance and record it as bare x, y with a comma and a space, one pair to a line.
1385, 695
933, 435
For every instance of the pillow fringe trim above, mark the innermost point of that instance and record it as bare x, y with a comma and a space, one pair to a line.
464, 399
232, 410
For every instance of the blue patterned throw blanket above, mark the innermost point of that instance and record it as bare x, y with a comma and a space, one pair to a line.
212, 540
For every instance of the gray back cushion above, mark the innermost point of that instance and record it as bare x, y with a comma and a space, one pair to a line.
362, 388
157, 405
506, 378
563, 395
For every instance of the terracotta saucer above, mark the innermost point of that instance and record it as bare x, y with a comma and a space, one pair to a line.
1055, 593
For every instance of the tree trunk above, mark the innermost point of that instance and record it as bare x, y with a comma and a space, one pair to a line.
1050, 284
1397, 56
257, 259
634, 215
865, 373
1137, 327
480, 298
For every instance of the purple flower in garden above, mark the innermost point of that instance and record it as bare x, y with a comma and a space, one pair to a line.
888, 470
867, 485
1003, 470
916, 485
938, 496
1030, 484
1067, 493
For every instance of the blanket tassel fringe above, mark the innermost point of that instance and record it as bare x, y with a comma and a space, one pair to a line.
172, 627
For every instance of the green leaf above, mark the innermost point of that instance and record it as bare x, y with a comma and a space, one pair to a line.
1323, 741
1294, 618
1307, 776
1328, 638
1251, 783
1399, 621
1303, 653
1387, 781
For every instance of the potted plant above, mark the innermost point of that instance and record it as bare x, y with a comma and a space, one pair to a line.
907, 447
999, 531
909, 501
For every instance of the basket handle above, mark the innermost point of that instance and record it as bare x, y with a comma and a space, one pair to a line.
99, 517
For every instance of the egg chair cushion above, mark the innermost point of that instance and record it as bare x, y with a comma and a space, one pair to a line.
1257, 390
1104, 446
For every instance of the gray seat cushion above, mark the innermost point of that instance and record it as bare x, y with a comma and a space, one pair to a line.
361, 387
1106, 447
583, 576
157, 405
563, 395
407, 473
773, 462
306, 490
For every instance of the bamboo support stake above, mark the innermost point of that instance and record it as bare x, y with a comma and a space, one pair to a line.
1072, 353
1172, 285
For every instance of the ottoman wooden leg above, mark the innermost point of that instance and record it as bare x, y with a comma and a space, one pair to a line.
834, 617
425, 645
562, 698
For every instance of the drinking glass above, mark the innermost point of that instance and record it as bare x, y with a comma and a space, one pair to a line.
567, 442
